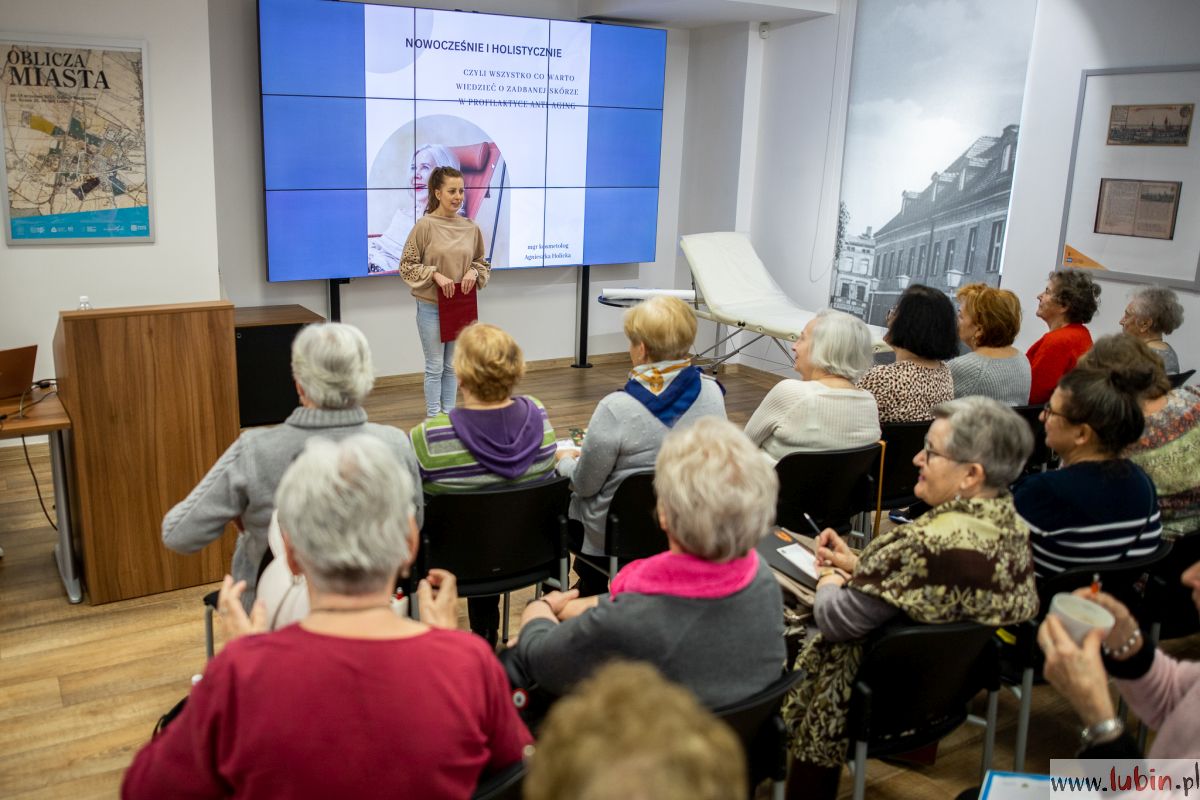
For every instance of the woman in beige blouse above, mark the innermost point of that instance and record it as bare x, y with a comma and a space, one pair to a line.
444, 253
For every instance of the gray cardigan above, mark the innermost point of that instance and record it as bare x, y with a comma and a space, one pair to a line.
723, 649
243, 481
623, 437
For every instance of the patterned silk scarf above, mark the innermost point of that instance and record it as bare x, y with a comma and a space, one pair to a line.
964, 560
666, 388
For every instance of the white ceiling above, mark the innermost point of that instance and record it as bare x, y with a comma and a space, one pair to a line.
702, 13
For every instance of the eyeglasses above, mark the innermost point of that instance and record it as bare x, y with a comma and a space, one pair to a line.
1048, 412
930, 453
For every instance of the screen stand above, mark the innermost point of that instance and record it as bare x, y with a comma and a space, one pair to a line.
583, 280
335, 298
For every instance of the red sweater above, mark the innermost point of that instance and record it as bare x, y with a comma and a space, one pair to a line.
1053, 356
303, 715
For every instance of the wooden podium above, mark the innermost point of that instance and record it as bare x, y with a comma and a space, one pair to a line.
152, 396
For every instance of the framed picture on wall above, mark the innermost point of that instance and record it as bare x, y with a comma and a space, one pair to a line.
76, 165
1134, 178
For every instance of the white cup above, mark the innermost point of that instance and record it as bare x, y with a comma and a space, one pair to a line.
1079, 616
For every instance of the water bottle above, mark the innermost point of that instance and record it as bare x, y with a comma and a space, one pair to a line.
84, 303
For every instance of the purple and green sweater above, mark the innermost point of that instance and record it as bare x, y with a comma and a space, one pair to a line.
471, 449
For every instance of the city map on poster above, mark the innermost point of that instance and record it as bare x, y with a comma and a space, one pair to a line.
74, 131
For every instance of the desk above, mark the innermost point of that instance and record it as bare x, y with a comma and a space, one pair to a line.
45, 414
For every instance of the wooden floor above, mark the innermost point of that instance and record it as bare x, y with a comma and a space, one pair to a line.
81, 686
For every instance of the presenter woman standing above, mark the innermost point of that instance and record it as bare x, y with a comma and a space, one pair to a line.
444, 253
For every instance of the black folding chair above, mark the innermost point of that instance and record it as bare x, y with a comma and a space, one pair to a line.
1131, 581
1042, 456
829, 486
1180, 378
898, 477
504, 785
759, 727
498, 540
913, 687
631, 529
1179, 616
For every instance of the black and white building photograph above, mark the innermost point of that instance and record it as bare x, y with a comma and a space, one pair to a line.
931, 141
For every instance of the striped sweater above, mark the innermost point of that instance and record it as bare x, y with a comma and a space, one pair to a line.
452, 460
1088, 513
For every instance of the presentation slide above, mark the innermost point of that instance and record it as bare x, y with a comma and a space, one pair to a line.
556, 127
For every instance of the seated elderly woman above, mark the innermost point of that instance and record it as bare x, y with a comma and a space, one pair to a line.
355, 700
922, 331
331, 364
493, 439
1099, 506
1069, 300
1169, 447
627, 427
1152, 313
988, 322
627, 734
1161, 691
823, 410
707, 613
965, 559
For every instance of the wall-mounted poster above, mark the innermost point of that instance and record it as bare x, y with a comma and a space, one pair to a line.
1165, 124
76, 164
932, 136
1137, 208
1134, 173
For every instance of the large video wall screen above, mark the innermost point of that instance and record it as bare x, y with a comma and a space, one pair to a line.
556, 126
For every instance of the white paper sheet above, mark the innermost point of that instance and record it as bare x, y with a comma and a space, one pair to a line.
801, 557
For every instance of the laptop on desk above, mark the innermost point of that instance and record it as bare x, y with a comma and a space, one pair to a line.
16, 371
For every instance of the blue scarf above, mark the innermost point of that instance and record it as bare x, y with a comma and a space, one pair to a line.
680, 386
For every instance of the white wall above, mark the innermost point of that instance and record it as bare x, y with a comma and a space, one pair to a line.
1070, 36
801, 124
536, 306
181, 265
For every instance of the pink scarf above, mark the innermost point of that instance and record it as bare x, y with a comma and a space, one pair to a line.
684, 575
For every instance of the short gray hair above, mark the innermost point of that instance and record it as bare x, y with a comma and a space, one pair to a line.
841, 344
346, 507
716, 490
332, 363
1159, 305
984, 431
442, 156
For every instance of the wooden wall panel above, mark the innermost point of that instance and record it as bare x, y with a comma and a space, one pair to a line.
152, 396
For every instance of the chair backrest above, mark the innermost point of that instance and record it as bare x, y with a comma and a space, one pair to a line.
496, 534
631, 530
1179, 379
759, 727
830, 486
1042, 455
914, 683
904, 440
1181, 617
1132, 581
504, 785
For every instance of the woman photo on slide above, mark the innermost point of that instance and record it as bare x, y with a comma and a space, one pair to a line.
444, 253
384, 251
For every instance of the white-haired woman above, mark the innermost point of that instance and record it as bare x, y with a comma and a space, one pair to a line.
823, 410
355, 701
1154, 312
967, 558
707, 613
331, 364
384, 251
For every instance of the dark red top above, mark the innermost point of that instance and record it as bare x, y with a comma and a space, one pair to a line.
303, 715
1053, 356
